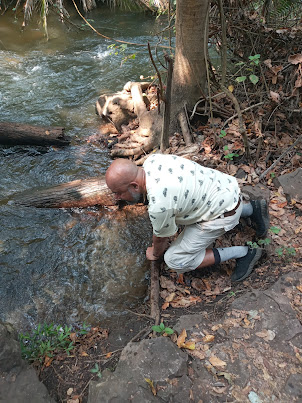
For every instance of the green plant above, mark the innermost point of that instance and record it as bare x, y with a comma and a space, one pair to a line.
162, 329
285, 251
45, 340
275, 230
249, 68
259, 243
229, 156
96, 370
222, 133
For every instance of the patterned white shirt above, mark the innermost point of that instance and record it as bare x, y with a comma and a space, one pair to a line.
182, 192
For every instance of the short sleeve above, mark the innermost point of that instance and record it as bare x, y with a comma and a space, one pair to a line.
163, 222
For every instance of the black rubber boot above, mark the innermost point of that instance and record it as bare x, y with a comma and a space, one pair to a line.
260, 217
245, 264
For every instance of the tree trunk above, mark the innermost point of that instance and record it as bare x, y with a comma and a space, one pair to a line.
189, 74
79, 193
20, 134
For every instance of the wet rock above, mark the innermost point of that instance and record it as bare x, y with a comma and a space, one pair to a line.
291, 184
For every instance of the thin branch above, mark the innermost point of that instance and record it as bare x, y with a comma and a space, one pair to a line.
223, 43
244, 110
157, 72
242, 129
280, 158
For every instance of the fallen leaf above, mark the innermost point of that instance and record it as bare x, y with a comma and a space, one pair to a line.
73, 337
165, 305
217, 362
150, 383
189, 345
198, 354
198, 284
108, 355
267, 335
181, 338
170, 297
275, 96
295, 59
220, 389
184, 302
299, 287
208, 338
167, 283
69, 391
84, 354
48, 361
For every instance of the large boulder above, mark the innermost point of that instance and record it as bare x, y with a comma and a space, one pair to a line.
19, 382
156, 360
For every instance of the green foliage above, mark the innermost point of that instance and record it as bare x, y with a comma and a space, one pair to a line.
249, 68
96, 370
275, 230
229, 156
222, 133
260, 243
285, 251
47, 340
120, 49
162, 329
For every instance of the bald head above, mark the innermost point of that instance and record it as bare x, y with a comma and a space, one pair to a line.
125, 179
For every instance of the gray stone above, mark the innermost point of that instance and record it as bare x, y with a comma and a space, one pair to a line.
292, 184
156, 359
10, 354
294, 386
19, 383
24, 388
256, 192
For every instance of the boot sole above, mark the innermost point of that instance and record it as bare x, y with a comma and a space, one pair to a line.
251, 265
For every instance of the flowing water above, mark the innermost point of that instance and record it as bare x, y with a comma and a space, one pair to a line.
66, 265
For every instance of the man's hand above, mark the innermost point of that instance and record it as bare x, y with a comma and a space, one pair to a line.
158, 248
149, 253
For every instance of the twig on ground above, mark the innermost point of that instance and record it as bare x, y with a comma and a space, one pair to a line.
242, 129
280, 158
154, 291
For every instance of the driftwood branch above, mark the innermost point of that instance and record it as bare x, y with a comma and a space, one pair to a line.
154, 291
79, 193
23, 134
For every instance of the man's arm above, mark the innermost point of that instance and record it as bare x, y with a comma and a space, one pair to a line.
158, 248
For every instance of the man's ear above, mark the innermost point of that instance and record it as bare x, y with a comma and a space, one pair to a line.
134, 185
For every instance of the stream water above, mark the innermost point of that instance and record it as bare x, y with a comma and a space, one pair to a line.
62, 265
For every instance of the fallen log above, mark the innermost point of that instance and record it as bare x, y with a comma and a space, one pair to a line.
78, 193
23, 134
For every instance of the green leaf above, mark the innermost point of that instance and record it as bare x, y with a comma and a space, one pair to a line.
222, 133
162, 326
255, 57
275, 230
225, 148
157, 329
168, 330
241, 79
254, 79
